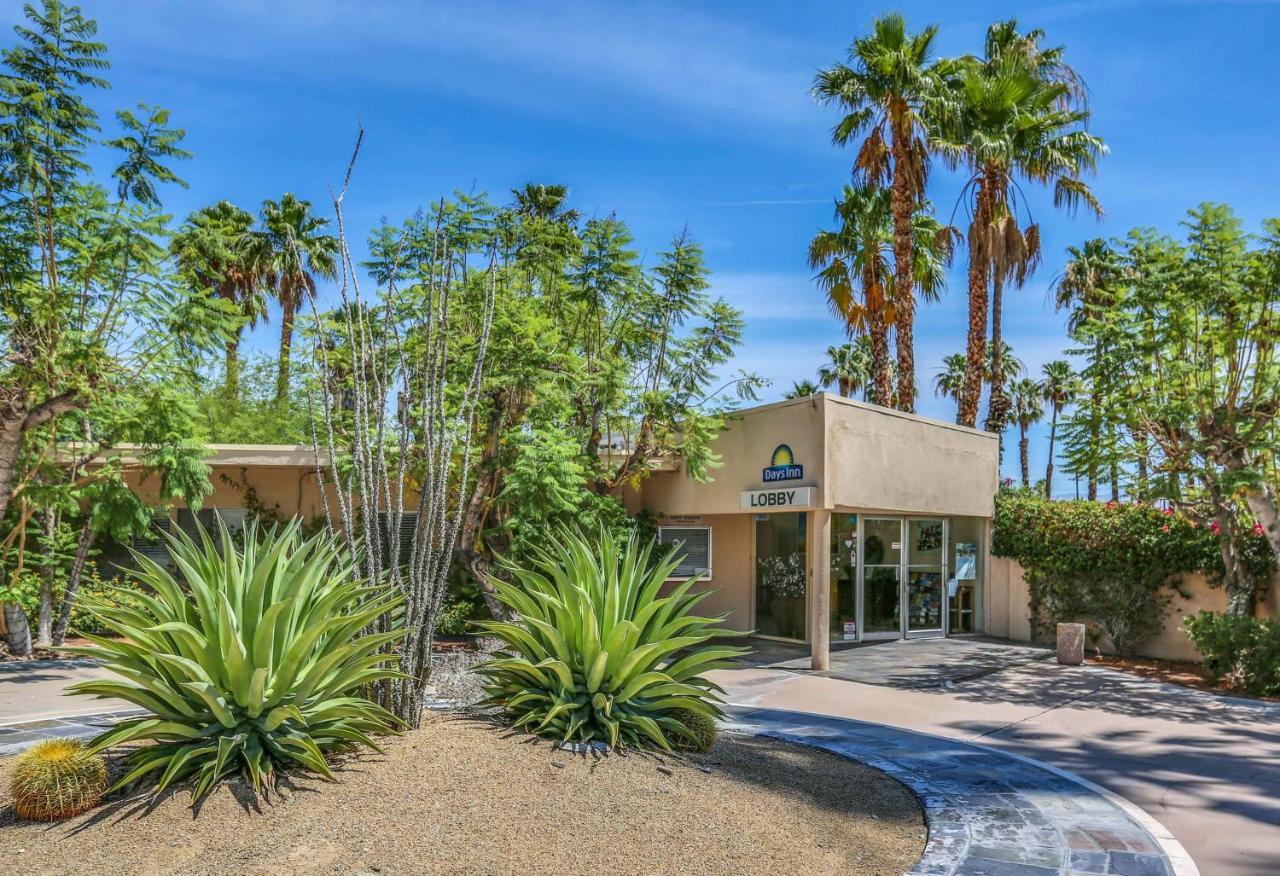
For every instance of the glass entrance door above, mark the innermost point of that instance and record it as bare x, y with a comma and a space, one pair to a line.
882, 578
781, 575
926, 568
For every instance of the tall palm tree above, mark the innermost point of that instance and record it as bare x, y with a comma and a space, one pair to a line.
1058, 387
883, 90
1011, 116
848, 367
1028, 409
211, 251
1088, 287
856, 256
288, 253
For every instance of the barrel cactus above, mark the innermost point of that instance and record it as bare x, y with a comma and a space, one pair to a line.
56, 779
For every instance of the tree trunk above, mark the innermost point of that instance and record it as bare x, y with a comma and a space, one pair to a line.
17, 632
12, 418
976, 348
904, 283
44, 619
286, 345
1048, 470
880, 359
73, 582
1024, 455
998, 409
232, 381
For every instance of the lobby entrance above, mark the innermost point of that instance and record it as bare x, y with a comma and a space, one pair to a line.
896, 577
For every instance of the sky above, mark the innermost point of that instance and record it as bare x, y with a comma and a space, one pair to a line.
672, 114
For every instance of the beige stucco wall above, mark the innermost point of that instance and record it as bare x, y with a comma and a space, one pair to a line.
895, 462
1008, 617
730, 567
292, 489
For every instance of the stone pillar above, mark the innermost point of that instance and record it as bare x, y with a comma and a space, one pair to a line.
820, 588
1070, 644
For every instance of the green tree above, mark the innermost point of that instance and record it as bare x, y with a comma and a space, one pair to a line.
883, 90
848, 367
1058, 387
1010, 115
1028, 409
286, 255
93, 323
1204, 314
949, 382
1090, 289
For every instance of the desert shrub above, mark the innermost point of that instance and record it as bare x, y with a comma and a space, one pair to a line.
701, 727
250, 664
56, 779
1115, 567
595, 652
1243, 651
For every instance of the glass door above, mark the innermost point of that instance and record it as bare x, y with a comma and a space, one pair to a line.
781, 575
926, 595
881, 578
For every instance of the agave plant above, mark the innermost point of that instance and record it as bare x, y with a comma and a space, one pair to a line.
251, 664
596, 652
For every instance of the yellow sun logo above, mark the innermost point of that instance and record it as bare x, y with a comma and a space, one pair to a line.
782, 456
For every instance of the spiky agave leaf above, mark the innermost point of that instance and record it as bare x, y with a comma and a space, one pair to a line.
596, 652
251, 664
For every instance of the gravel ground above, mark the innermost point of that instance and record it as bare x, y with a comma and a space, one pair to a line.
461, 796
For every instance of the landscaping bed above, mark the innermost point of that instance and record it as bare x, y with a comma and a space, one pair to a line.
1181, 672
463, 795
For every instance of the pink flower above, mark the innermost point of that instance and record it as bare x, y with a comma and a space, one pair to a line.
1216, 529
1168, 512
1164, 528
1257, 529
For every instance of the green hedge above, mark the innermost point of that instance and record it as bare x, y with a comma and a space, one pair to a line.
1242, 651
1113, 566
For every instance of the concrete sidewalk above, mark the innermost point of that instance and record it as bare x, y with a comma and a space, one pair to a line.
32, 690
1205, 766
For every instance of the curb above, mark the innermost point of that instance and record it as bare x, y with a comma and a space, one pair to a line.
988, 810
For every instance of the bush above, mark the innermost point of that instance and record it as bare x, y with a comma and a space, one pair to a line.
593, 649
1242, 651
56, 779
1113, 566
251, 666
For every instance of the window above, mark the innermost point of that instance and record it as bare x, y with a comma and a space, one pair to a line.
694, 543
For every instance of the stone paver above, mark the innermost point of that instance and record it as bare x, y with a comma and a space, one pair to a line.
990, 813
906, 663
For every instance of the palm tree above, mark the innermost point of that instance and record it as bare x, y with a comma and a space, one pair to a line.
1057, 387
287, 254
883, 90
211, 251
848, 366
1088, 287
1027, 411
857, 256
950, 380
802, 389
545, 202
1010, 116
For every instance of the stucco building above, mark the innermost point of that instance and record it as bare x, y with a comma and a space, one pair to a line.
827, 521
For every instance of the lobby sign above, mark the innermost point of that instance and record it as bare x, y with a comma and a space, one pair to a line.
784, 497
782, 466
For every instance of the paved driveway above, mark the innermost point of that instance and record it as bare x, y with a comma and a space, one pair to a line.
1207, 767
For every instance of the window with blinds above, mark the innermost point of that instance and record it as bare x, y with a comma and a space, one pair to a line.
693, 547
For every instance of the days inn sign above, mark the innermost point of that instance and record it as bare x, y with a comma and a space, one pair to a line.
782, 466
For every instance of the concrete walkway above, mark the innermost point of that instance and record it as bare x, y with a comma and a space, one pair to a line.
1206, 767
990, 813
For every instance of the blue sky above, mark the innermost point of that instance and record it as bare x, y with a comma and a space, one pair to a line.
675, 113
